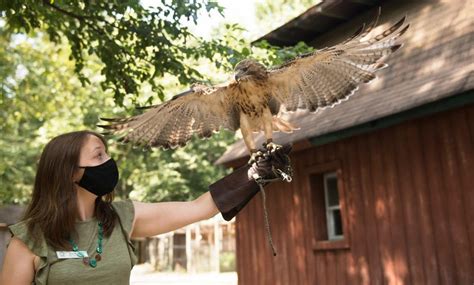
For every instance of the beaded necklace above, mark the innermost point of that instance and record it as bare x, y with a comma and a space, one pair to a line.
92, 262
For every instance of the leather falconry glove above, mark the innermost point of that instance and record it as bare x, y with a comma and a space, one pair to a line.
234, 191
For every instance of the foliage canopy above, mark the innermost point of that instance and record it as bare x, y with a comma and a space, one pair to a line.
136, 44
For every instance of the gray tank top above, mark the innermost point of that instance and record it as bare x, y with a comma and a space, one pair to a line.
118, 257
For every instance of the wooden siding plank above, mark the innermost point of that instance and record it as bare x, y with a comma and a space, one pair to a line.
296, 228
320, 272
376, 274
465, 156
328, 154
331, 269
245, 248
281, 214
301, 187
299, 234
304, 160
470, 121
421, 196
257, 245
267, 262
451, 172
320, 256
430, 151
395, 209
343, 255
240, 249
266, 276
251, 262
410, 207
278, 269
342, 275
357, 218
378, 181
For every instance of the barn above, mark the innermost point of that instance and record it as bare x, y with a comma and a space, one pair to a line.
383, 191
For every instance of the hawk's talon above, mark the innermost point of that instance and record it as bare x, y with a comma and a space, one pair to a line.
271, 146
254, 157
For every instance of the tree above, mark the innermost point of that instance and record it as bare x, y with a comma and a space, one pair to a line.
134, 43
38, 96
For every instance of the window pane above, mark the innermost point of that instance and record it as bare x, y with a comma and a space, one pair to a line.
337, 223
333, 195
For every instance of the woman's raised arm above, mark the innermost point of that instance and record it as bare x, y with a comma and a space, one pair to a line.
161, 217
227, 195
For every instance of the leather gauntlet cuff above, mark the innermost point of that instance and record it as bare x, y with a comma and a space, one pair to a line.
233, 192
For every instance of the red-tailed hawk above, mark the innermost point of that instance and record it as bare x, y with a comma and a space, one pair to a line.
254, 98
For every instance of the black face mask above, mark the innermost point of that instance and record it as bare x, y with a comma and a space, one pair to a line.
100, 179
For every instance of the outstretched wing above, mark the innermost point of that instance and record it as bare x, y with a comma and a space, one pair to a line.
327, 76
202, 110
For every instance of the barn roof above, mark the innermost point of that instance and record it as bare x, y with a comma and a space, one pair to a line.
434, 63
316, 21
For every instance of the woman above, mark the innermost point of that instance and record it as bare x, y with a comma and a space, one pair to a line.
74, 233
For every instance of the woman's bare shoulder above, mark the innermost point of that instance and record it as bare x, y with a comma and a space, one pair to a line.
19, 262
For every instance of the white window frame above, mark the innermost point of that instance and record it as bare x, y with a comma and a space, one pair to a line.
330, 209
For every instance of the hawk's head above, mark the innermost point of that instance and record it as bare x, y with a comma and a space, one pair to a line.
250, 69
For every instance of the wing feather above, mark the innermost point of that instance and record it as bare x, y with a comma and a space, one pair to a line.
328, 76
202, 110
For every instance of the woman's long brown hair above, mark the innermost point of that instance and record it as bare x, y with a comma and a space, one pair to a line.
52, 211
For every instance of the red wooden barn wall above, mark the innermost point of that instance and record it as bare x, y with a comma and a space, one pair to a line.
409, 201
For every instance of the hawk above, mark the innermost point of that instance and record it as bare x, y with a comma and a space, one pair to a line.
253, 100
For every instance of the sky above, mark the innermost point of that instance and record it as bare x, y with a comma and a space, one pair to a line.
240, 11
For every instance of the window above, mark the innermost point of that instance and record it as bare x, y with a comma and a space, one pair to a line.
328, 207
333, 208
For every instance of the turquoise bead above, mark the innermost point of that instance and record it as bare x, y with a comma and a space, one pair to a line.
91, 261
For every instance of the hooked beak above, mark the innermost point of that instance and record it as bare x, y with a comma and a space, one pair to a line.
238, 75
